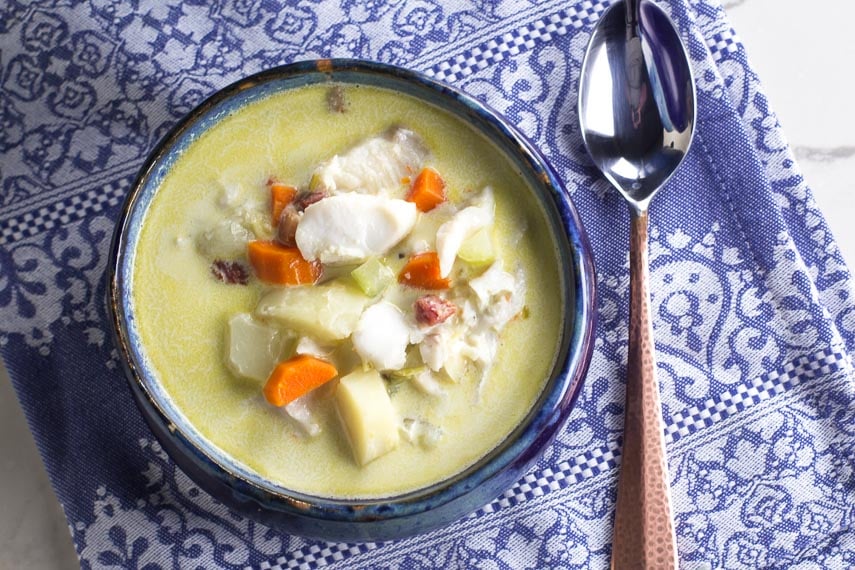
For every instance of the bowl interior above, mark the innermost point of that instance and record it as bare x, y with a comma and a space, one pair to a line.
545, 418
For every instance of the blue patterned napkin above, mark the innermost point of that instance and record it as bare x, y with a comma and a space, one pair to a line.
753, 307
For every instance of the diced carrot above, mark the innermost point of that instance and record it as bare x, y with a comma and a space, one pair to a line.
422, 271
428, 190
280, 196
281, 265
295, 377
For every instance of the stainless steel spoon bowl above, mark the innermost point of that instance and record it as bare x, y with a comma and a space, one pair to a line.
637, 116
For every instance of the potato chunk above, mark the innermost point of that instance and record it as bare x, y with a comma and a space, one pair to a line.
326, 312
252, 348
367, 415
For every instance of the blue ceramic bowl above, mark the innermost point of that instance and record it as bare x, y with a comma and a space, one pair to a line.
398, 516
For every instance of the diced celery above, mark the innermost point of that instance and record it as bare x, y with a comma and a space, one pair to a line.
478, 248
373, 277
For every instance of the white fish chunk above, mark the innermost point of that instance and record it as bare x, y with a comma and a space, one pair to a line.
420, 432
456, 352
480, 347
451, 235
350, 228
434, 349
302, 411
495, 281
310, 347
375, 166
381, 336
501, 296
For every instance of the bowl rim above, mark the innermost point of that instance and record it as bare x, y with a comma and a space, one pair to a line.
539, 427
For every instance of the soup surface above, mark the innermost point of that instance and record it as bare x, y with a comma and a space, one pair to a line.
183, 312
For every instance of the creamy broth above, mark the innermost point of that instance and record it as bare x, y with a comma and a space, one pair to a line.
181, 311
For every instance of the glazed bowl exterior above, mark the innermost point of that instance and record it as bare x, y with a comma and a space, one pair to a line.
396, 516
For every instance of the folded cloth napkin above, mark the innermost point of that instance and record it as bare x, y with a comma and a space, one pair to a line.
753, 309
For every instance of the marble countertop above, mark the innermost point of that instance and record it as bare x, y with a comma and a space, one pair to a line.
800, 55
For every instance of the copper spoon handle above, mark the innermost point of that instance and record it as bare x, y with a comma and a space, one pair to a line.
644, 526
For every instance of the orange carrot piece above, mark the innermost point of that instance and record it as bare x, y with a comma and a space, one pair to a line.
422, 271
295, 377
281, 265
280, 196
428, 190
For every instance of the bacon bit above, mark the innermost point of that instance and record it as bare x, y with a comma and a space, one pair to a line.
306, 199
433, 310
231, 272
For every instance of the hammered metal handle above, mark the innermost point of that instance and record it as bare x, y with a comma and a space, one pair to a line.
644, 526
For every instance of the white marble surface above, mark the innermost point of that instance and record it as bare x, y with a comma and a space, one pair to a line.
800, 49
803, 52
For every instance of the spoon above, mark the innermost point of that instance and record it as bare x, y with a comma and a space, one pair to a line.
637, 117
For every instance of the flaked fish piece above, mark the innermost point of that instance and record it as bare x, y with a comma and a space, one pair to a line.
303, 411
420, 432
350, 228
451, 235
377, 166
381, 337
225, 240
501, 295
